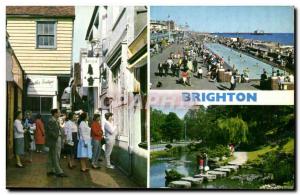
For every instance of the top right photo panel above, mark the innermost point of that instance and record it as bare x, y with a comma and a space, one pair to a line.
222, 47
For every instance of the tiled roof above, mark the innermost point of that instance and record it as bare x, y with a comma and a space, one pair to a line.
45, 11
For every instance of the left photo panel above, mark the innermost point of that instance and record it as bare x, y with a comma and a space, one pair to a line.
76, 88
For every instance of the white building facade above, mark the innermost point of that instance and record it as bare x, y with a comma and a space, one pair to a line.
118, 37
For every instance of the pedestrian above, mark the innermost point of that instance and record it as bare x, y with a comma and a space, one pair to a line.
200, 72
160, 69
195, 64
29, 135
173, 68
84, 149
110, 131
177, 70
70, 128
19, 138
184, 76
233, 81
280, 81
54, 140
39, 134
166, 68
97, 135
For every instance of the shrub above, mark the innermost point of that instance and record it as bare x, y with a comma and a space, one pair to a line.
280, 164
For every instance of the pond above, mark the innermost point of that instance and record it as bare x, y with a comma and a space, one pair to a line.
186, 165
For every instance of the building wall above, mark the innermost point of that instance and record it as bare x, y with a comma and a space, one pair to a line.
116, 30
34, 60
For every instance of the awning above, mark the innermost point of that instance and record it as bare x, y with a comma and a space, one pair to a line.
139, 62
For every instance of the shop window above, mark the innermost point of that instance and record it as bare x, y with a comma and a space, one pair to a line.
46, 34
41, 105
46, 104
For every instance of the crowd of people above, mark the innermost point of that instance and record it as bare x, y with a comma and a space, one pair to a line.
183, 64
71, 136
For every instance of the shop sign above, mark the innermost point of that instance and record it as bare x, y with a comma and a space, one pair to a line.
42, 85
90, 72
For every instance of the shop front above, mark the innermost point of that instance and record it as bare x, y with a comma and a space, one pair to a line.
41, 95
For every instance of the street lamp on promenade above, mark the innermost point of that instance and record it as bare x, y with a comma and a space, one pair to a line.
184, 131
169, 27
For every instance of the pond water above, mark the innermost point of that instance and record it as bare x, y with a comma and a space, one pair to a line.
241, 61
186, 165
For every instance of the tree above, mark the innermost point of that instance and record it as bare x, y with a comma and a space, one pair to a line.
156, 122
172, 127
234, 130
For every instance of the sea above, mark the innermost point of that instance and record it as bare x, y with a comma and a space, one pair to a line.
282, 38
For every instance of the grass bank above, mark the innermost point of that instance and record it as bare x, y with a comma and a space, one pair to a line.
287, 148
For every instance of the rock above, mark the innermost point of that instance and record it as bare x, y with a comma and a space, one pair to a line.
224, 158
180, 184
172, 175
271, 187
206, 177
247, 177
217, 173
194, 181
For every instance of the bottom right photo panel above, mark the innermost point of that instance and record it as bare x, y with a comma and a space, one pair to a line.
220, 147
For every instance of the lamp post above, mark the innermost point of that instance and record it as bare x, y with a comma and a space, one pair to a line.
184, 131
169, 27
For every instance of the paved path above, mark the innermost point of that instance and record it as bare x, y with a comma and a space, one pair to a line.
240, 158
169, 82
34, 176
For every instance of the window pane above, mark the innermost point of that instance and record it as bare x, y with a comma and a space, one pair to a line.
51, 29
46, 40
46, 29
33, 104
41, 40
40, 29
46, 105
51, 40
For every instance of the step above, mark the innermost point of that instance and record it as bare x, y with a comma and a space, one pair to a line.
234, 164
232, 167
180, 184
194, 181
206, 177
217, 173
223, 170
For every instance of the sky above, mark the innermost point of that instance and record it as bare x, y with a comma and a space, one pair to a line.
180, 112
273, 19
83, 15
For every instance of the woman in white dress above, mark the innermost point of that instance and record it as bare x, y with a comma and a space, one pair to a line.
84, 149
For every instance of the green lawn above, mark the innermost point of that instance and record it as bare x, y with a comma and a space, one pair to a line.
288, 148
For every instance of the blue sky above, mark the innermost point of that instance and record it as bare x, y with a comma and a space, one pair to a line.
81, 23
273, 19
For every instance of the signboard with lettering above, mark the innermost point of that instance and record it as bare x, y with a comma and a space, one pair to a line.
42, 85
90, 71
